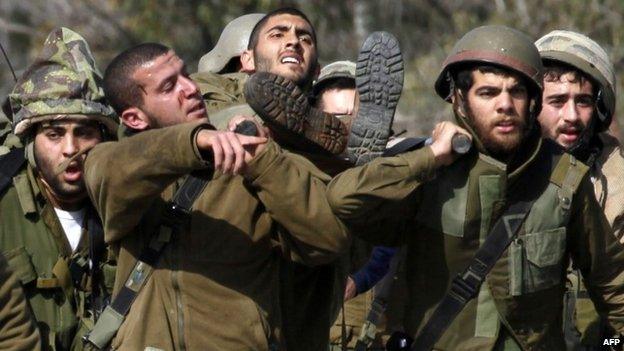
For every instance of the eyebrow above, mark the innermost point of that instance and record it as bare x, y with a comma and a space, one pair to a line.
285, 28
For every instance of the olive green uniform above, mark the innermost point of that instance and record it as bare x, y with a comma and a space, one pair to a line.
63, 82
33, 242
444, 217
217, 283
17, 327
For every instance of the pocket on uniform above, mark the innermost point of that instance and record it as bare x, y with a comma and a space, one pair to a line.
536, 261
19, 261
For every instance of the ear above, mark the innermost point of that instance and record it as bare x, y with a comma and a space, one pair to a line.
135, 118
247, 62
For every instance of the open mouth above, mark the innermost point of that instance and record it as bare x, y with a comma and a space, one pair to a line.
73, 172
291, 59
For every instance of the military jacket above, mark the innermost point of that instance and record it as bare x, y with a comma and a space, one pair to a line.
444, 216
609, 184
17, 327
37, 250
216, 285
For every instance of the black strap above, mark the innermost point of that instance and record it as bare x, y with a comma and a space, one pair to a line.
177, 211
10, 164
407, 144
380, 300
465, 286
97, 249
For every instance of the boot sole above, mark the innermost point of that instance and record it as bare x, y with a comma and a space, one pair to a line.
379, 81
286, 110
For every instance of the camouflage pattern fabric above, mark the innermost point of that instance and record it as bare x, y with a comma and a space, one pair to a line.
63, 80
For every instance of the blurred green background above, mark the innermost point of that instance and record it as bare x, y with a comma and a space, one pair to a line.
427, 29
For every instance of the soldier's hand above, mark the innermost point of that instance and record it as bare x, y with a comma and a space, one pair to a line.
350, 289
442, 146
230, 151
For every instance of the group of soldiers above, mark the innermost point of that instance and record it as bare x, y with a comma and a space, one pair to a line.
236, 208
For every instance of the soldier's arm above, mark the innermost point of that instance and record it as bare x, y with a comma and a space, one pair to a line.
598, 254
17, 327
294, 192
372, 192
124, 178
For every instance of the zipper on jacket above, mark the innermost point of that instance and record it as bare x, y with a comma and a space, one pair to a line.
178, 297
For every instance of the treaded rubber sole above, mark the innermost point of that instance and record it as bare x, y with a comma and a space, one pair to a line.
286, 110
379, 81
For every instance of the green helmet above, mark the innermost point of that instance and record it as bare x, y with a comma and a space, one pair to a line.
498, 45
334, 70
586, 55
62, 82
232, 42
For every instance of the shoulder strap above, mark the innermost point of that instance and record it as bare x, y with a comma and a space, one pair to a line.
177, 211
10, 165
465, 286
379, 303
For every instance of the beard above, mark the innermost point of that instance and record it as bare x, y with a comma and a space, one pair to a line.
60, 188
264, 64
501, 146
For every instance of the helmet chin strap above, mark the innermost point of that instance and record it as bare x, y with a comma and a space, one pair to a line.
30, 153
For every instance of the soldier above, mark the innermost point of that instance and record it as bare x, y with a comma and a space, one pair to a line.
578, 107
17, 327
508, 214
216, 278
49, 233
335, 93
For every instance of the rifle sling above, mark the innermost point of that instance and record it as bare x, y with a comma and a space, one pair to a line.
179, 208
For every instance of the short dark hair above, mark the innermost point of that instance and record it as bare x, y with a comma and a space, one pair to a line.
255, 33
554, 70
120, 88
464, 79
340, 83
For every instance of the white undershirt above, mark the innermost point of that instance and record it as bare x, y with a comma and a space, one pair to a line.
72, 225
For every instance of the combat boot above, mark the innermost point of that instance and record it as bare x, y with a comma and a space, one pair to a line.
379, 82
287, 112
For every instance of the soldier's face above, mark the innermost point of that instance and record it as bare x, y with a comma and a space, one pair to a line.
55, 143
339, 102
498, 107
567, 108
169, 96
286, 48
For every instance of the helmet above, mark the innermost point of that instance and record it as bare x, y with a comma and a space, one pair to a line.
586, 55
334, 70
498, 45
232, 42
63, 81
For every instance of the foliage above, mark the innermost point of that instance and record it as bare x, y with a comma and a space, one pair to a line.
426, 29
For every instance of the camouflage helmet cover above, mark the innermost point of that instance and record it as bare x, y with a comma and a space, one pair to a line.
334, 70
498, 45
584, 54
62, 81
232, 42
